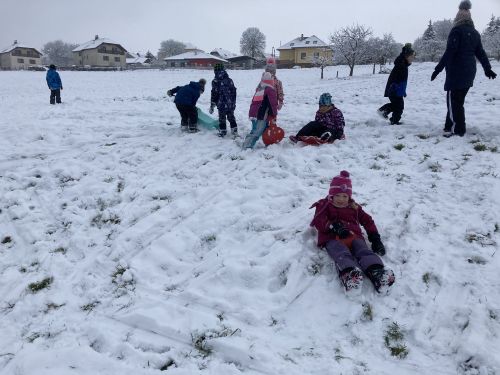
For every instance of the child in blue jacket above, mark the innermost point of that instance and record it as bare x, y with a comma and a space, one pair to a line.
186, 98
395, 89
55, 84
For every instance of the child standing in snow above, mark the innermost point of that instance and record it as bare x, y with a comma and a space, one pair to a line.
263, 109
328, 124
55, 84
185, 101
223, 97
395, 89
271, 68
338, 218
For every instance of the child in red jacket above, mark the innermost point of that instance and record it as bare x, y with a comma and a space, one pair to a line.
338, 218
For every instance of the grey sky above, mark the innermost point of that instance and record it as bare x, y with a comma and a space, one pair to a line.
142, 25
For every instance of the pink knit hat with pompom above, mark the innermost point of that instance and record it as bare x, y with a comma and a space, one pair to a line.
341, 184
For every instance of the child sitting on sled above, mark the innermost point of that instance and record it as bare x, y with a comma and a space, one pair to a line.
338, 219
327, 126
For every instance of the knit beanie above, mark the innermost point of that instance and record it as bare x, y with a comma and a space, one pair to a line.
341, 184
267, 78
464, 14
407, 50
271, 65
325, 99
218, 67
202, 81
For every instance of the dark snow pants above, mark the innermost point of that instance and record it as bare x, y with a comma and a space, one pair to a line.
396, 107
359, 255
230, 118
55, 96
455, 118
315, 129
189, 115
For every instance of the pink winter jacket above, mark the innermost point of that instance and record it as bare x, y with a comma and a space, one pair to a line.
351, 217
267, 107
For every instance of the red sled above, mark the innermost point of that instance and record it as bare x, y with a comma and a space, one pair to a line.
273, 134
311, 140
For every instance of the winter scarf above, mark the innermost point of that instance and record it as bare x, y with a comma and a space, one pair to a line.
266, 81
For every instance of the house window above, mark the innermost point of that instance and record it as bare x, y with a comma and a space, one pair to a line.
316, 55
292, 44
303, 55
307, 42
20, 61
105, 58
315, 42
117, 59
32, 62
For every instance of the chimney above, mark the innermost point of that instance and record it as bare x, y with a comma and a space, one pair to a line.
15, 41
301, 36
96, 37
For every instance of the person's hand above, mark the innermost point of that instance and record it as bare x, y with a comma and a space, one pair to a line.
434, 75
212, 107
490, 74
169, 93
339, 230
377, 245
61, 88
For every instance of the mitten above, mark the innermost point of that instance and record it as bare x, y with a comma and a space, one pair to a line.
377, 245
490, 74
339, 230
434, 75
169, 93
212, 107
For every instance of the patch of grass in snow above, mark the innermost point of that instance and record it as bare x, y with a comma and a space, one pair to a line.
165, 197
170, 362
435, 167
480, 147
429, 277
375, 167
381, 156
209, 238
399, 146
423, 136
236, 157
59, 250
481, 238
394, 341
89, 307
476, 259
40, 285
100, 220
6, 240
494, 149
497, 228
492, 314
338, 355
200, 340
424, 158
367, 313
52, 306
315, 268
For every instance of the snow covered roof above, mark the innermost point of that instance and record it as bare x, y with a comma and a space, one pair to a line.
225, 54
194, 55
304, 42
137, 60
189, 46
17, 45
95, 43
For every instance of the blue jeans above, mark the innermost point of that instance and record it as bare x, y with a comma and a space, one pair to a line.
258, 127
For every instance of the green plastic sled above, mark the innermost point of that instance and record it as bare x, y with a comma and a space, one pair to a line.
207, 121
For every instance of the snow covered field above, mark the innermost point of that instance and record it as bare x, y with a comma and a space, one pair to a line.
130, 248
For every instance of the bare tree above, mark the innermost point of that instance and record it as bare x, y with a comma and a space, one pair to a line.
491, 38
169, 48
59, 52
323, 59
350, 45
382, 50
253, 43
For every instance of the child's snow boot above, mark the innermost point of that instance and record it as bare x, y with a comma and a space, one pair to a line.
234, 132
222, 133
382, 278
193, 128
293, 138
383, 113
352, 279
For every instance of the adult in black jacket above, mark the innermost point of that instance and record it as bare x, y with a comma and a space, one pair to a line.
463, 47
395, 89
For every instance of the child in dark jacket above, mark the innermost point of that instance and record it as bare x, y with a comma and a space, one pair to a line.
223, 97
328, 124
395, 89
338, 218
186, 98
55, 84
263, 109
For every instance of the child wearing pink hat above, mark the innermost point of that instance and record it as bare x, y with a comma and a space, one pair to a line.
338, 219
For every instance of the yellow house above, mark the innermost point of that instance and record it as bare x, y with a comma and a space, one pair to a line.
100, 52
17, 57
304, 51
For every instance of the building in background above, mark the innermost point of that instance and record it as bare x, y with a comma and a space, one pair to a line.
100, 52
235, 61
303, 51
19, 56
193, 59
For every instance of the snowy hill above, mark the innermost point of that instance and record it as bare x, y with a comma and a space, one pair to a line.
127, 247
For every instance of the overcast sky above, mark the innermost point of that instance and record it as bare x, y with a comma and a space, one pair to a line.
140, 25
